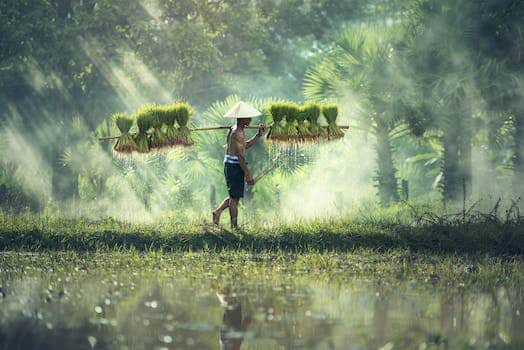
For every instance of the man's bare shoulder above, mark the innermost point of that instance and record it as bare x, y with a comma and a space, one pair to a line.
238, 134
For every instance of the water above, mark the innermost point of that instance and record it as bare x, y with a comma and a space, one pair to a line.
119, 301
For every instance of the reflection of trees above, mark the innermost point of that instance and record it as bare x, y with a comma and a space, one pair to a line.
446, 313
185, 314
309, 327
464, 309
27, 333
516, 306
492, 323
380, 317
455, 312
284, 317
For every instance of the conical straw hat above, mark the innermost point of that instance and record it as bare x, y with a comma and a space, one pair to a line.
242, 110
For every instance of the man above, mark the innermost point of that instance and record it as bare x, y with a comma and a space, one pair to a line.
235, 166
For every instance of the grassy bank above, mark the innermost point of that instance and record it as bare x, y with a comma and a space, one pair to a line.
478, 234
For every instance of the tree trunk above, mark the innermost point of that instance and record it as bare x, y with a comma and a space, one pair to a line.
457, 161
518, 153
465, 150
64, 9
386, 179
450, 183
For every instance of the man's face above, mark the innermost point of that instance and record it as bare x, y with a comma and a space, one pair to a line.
244, 121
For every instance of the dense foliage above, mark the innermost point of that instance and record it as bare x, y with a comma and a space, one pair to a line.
435, 85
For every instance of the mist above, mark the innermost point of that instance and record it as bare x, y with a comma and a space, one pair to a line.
428, 107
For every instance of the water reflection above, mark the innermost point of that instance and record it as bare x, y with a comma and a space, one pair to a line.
234, 323
128, 309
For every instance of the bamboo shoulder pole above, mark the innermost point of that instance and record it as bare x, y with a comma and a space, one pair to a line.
105, 138
205, 128
218, 127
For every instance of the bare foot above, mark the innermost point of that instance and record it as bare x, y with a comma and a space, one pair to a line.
216, 217
234, 224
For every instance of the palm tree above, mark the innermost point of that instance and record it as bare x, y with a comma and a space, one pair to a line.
439, 66
497, 46
360, 65
455, 49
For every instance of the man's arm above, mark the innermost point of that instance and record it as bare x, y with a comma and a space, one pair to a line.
240, 146
254, 139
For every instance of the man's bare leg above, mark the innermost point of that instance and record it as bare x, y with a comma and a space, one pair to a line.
233, 211
218, 211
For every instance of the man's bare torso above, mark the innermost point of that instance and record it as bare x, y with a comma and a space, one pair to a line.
235, 140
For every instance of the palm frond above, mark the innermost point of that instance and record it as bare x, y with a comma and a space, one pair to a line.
320, 82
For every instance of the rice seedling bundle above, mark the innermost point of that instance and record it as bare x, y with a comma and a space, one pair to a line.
292, 122
292, 112
330, 112
158, 138
157, 129
183, 134
144, 119
304, 133
277, 111
168, 116
125, 142
312, 111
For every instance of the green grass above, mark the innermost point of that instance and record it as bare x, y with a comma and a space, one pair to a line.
277, 268
482, 234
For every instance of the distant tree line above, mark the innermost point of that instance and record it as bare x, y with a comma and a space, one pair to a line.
451, 71
430, 79
90, 58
